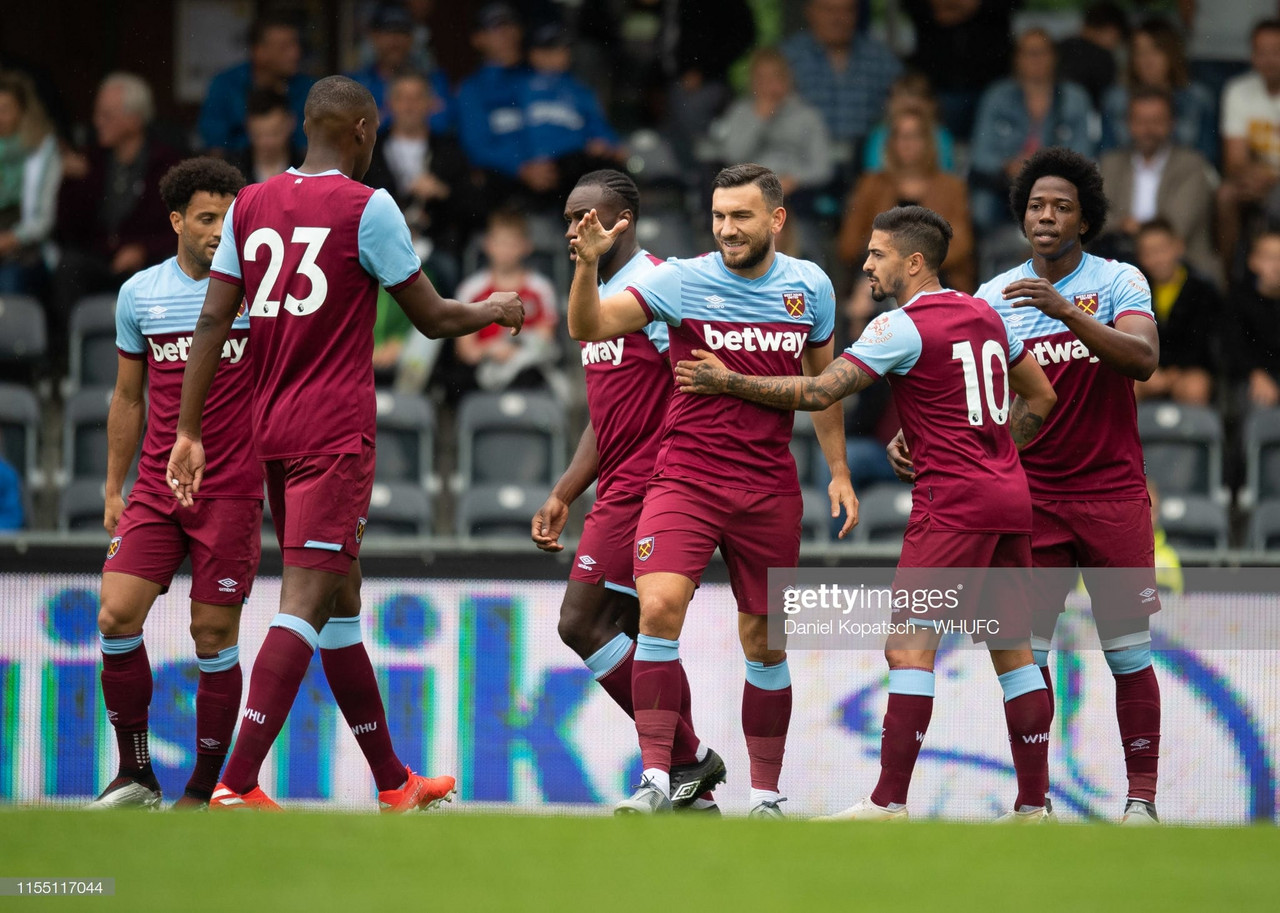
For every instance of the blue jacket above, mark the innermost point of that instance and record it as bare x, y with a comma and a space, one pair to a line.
1003, 124
223, 115
561, 116
491, 118
442, 121
10, 497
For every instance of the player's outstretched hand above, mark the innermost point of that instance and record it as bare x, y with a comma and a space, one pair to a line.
705, 374
186, 468
510, 310
1039, 294
111, 514
593, 240
548, 524
842, 497
900, 458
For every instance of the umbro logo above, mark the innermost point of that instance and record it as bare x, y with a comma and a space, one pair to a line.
210, 743
158, 312
112, 715
586, 562
1148, 594
1139, 744
227, 585
686, 791
715, 301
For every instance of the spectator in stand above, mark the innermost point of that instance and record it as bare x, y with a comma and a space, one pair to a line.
1157, 176
844, 73
870, 419
12, 516
1250, 142
565, 131
392, 38
269, 123
30, 171
962, 46
1257, 303
1188, 310
1158, 60
499, 360
773, 126
910, 90
427, 175
1089, 59
1018, 116
275, 51
911, 177
109, 222
490, 113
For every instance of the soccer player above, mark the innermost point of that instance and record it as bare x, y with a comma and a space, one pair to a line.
155, 315
951, 363
628, 385
724, 474
308, 249
1089, 323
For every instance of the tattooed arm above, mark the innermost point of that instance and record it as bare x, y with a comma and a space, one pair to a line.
1035, 400
706, 374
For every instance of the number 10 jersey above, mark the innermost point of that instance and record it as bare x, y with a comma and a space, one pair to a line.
310, 251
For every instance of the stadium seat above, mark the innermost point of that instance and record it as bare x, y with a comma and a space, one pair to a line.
1182, 446
815, 526
667, 233
23, 337
81, 506
1264, 526
84, 435
499, 510
805, 449
399, 510
1194, 521
19, 432
92, 359
406, 439
1262, 457
883, 511
510, 438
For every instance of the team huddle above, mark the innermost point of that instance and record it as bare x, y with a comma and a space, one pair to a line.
1013, 456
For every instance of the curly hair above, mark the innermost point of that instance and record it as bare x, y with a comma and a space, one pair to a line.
618, 186
187, 178
1073, 168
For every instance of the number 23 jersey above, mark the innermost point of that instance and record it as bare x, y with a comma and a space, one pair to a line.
310, 251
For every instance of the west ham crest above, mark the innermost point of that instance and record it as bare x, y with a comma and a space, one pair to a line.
794, 302
1088, 303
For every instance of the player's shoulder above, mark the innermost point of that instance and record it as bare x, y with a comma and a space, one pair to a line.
992, 291
1114, 273
147, 281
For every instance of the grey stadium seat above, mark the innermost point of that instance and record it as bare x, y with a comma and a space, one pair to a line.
1192, 521
815, 526
510, 438
666, 233
81, 506
1264, 526
883, 511
19, 431
398, 510
1182, 447
84, 434
499, 510
805, 449
406, 439
1262, 457
23, 337
93, 355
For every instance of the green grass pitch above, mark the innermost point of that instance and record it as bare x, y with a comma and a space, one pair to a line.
458, 861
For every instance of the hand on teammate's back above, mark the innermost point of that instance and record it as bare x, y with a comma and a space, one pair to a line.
510, 310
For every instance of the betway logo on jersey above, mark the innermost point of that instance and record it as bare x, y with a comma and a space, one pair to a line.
755, 339
607, 352
1057, 353
233, 349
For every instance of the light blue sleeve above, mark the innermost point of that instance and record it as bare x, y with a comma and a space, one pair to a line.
824, 315
658, 335
1130, 292
226, 259
890, 344
128, 332
386, 249
660, 289
1015, 341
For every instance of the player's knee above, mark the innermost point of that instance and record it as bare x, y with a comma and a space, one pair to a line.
347, 603
574, 632
211, 635
117, 616
661, 616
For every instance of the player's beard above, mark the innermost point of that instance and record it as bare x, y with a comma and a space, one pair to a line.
880, 290
751, 257
200, 256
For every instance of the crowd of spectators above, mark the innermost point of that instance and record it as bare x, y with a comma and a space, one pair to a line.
851, 115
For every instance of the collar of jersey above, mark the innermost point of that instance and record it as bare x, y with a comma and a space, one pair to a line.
918, 295
186, 280
322, 174
765, 275
1030, 270
640, 252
